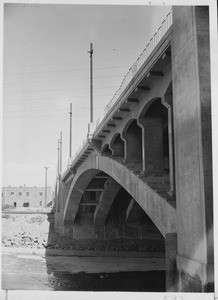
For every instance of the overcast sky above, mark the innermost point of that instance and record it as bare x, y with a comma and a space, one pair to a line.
46, 66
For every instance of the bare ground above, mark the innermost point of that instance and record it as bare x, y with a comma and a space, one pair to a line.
36, 231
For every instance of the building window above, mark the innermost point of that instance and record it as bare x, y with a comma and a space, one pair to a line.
26, 204
27, 193
40, 203
12, 193
40, 194
20, 194
15, 204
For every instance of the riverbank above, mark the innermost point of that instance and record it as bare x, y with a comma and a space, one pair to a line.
35, 231
81, 253
34, 257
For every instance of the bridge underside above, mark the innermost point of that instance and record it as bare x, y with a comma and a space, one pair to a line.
107, 211
108, 200
147, 172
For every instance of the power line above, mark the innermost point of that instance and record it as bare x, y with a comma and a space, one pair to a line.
61, 71
64, 110
61, 80
53, 98
59, 90
69, 62
41, 116
62, 98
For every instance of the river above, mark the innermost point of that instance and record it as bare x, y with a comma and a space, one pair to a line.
33, 270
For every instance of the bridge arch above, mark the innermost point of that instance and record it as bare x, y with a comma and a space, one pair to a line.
132, 135
144, 109
154, 122
117, 146
106, 150
160, 211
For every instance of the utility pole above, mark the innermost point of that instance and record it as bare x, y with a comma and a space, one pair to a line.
61, 152
46, 170
58, 158
70, 153
91, 85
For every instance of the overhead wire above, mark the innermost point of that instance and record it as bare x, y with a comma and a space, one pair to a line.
61, 71
60, 80
59, 90
73, 62
56, 109
57, 98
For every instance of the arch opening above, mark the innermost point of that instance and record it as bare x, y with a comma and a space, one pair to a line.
127, 220
155, 138
117, 144
106, 151
133, 142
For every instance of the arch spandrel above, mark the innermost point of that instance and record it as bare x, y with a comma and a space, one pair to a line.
161, 212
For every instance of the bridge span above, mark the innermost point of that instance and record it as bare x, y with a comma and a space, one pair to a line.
145, 171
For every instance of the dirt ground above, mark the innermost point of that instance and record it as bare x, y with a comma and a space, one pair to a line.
35, 231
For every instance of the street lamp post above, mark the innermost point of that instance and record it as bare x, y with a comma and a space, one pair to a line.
91, 84
70, 146
60, 141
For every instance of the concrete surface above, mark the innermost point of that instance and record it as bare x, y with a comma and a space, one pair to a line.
192, 136
158, 209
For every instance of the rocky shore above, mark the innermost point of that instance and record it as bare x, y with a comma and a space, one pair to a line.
35, 231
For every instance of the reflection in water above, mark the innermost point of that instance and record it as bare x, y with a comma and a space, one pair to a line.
120, 281
149, 281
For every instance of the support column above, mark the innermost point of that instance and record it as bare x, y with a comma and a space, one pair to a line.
61, 200
168, 102
117, 146
134, 212
133, 143
171, 265
105, 201
193, 155
153, 144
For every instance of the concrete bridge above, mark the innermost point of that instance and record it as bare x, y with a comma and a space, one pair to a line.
145, 171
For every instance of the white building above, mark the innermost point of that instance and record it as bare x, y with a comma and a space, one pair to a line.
26, 196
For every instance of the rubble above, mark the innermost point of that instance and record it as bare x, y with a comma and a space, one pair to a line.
36, 232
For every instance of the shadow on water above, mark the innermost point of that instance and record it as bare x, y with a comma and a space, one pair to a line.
121, 281
136, 281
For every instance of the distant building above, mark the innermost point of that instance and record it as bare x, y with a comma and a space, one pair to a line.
26, 196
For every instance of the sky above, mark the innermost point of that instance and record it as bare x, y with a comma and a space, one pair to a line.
46, 67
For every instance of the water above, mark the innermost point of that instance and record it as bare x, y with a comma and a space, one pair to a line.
28, 271
151, 281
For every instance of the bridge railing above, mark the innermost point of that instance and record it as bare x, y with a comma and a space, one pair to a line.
162, 30
70, 161
166, 24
